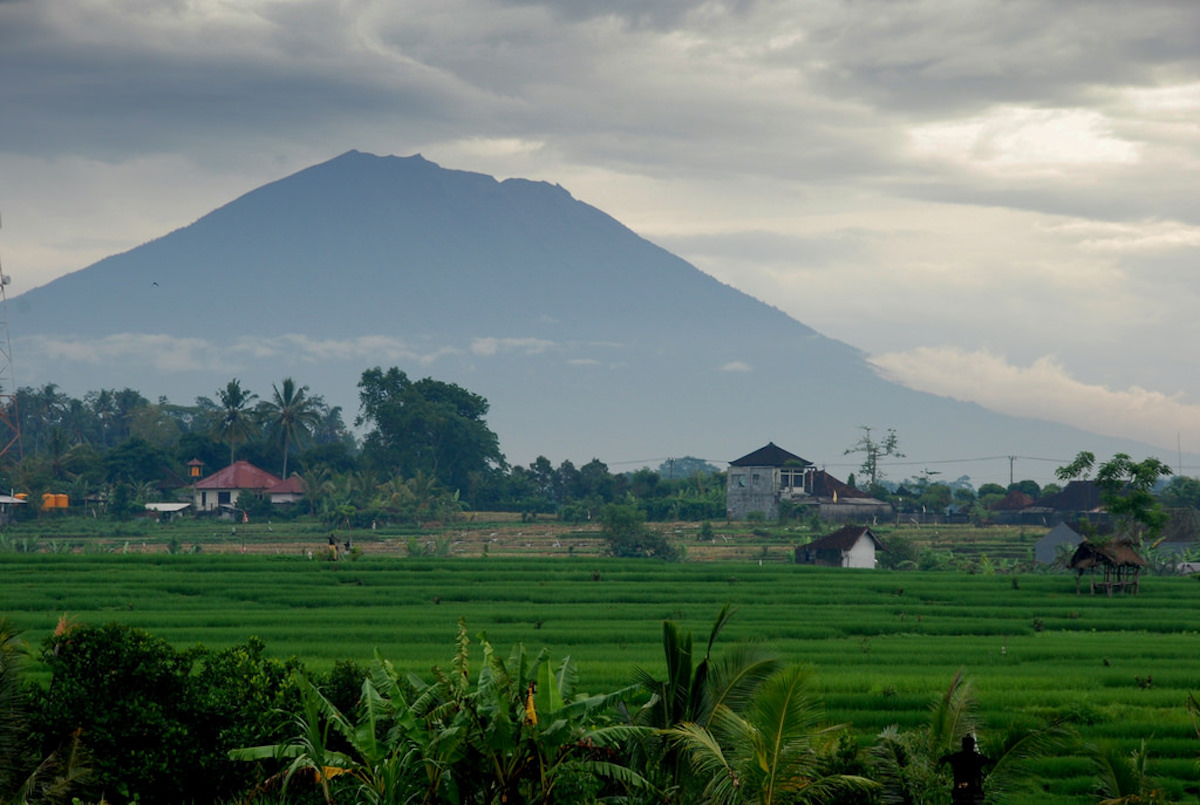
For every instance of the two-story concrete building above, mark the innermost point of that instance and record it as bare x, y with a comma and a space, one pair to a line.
756, 482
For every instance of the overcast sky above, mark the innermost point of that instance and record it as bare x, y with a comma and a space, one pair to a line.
998, 201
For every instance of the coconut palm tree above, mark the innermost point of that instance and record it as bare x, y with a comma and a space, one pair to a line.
291, 415
775, 751
235, 421
1125, 779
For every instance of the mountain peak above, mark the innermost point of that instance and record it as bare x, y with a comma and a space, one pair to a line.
587, 339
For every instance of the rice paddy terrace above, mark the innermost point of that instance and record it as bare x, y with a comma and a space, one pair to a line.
883, 643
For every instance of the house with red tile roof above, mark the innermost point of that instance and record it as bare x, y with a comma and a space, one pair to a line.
221, 489
290, 491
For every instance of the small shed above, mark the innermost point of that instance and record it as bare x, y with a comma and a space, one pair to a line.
849, 546
1046, 549
1119, 560
6, 504
166, 511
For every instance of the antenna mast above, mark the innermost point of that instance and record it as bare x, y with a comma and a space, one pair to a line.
10, 423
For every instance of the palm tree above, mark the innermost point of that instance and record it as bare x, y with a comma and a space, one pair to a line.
776, 751
692, 692
318, 486
1125, 780
909, 764
235, 421
291, 414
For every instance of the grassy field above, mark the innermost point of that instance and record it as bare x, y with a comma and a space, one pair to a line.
883, 643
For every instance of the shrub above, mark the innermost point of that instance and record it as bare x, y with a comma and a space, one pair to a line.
155, 731
624, 528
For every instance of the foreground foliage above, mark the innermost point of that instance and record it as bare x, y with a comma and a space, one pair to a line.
517, 733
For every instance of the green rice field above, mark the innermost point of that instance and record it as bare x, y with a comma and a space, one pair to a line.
883, 643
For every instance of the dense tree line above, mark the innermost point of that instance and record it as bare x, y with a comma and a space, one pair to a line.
426, 454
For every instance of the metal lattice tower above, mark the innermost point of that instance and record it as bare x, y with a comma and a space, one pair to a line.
10, 423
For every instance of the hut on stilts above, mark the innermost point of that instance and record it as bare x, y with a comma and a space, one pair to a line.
1119, 559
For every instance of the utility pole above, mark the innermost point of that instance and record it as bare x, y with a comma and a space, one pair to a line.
1011, 460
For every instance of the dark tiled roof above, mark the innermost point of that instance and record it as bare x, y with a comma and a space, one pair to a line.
770, 456
843, 539
1079, 496
239, 475
824, 486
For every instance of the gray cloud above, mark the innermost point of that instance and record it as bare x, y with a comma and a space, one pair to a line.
911, 177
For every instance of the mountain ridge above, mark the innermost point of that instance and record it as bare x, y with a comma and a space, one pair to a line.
588, 339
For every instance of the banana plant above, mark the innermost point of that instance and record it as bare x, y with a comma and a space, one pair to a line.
528, 730
517, 732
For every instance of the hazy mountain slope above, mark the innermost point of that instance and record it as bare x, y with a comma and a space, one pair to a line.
587, 339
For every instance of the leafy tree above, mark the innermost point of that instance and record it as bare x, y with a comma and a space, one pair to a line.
873, 451
157, 732
199, 445
1126, 487
1182, 492
686, 467
624, 528
964, 497
234, 422
1026, 486
935, 498
595, 481
644, 483
127, 691
134, 461
152, 423
427, 425
291, 415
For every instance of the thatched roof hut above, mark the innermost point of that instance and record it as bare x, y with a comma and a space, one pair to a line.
1119, 559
